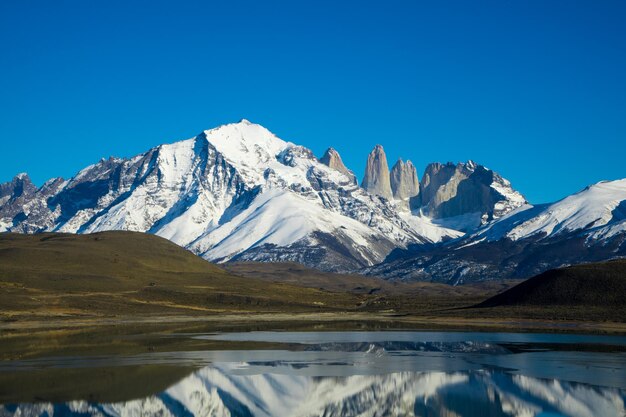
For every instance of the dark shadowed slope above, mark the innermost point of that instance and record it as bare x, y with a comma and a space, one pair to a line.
594, 285
300, 275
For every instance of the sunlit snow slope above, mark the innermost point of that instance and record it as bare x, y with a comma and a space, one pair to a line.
600, 208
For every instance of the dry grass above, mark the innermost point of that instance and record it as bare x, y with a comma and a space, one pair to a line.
75, 293
126, 273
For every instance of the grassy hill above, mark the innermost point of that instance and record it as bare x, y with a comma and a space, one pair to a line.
587, 292
598, 284
120, 273
126, 274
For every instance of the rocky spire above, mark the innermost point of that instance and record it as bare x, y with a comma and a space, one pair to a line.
404, 183
332, 159
376, 179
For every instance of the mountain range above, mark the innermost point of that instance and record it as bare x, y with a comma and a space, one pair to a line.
239, 193
588, 226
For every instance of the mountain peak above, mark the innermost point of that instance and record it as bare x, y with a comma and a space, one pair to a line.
22, 176
376, 179
245, 143
404, 182
18, 186
400, 162
22, 180
332, 159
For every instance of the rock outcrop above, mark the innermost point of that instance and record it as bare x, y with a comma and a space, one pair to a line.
376, 180
466, 189
14, 196
404, 182
332, 159
18, 186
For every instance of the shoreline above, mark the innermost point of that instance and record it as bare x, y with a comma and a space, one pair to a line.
11, 328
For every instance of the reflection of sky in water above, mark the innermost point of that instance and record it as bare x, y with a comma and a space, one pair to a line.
346, 337
371, 374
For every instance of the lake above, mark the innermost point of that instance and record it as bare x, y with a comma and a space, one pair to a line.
390, 373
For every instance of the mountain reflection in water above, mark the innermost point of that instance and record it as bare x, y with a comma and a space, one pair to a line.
362, 374
220, 391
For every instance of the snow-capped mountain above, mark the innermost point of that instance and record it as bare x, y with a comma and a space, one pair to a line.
233, 192
218, 391
238, 192
587, 226
599, 210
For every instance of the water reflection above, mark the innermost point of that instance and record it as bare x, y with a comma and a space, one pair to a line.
220, 391
343, 374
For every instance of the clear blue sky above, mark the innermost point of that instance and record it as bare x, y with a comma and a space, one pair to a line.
533, 89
